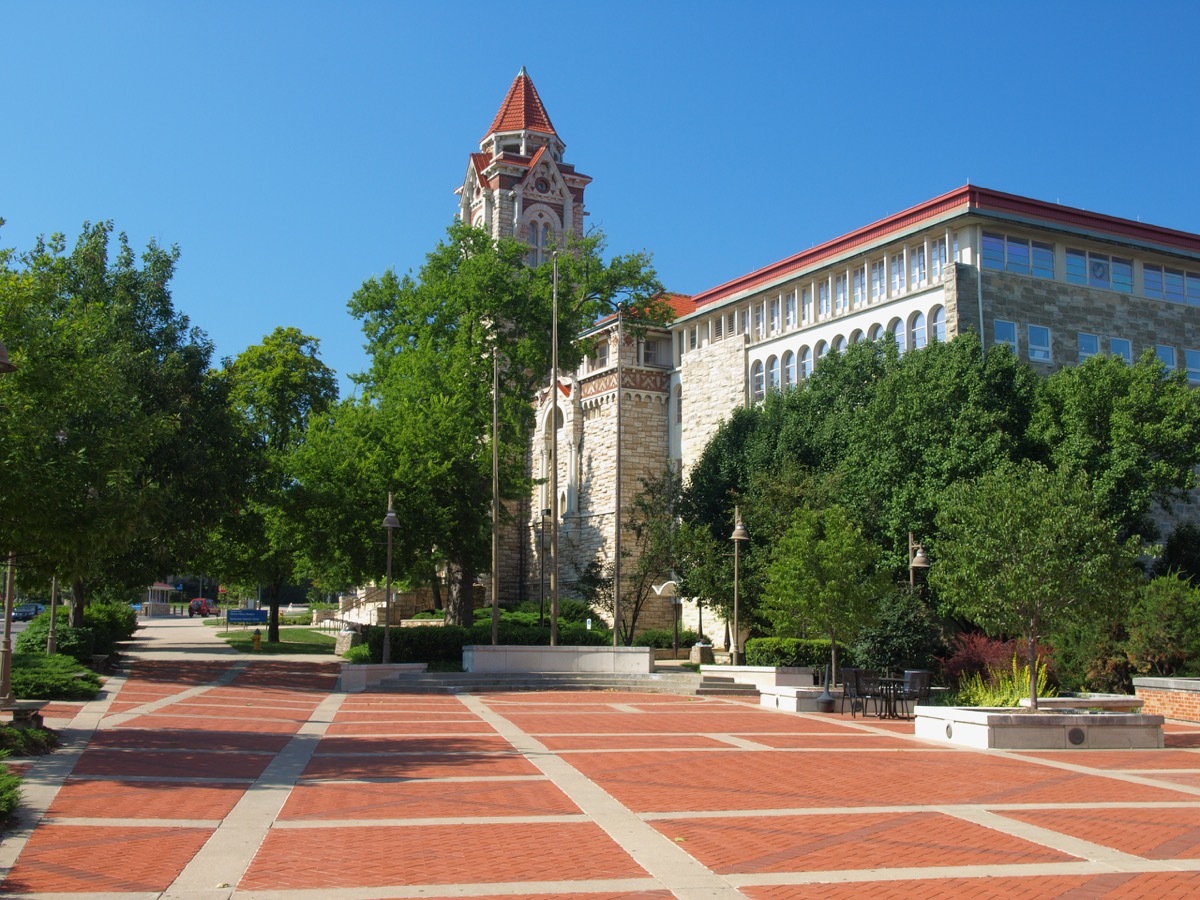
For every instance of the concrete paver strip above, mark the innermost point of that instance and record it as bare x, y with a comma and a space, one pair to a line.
229, 851
673, 867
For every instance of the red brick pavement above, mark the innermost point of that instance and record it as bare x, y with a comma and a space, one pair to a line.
396, 758
1160, 886
439, 854
99, 859
180, 763
113, 799
426, 800
1126, 760
1164, 833
420, 743
774, 779
429, 765
860, 841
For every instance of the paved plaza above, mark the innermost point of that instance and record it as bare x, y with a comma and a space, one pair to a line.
202, 773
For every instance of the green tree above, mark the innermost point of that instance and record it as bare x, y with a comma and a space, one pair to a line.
277, 386
113, 425
1132, 431
649, 548
431, 339
1164, 628
1023, 551
823, 578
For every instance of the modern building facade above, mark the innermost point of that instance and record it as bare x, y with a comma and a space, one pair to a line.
1055, 283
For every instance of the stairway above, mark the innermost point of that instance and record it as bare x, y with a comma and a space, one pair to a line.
685, 683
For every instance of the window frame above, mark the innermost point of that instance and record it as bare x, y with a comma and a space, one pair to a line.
1039, 352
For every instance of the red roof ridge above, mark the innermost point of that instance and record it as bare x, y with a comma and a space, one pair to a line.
522, 109
974, 199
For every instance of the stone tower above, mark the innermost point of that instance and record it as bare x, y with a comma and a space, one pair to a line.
517, 185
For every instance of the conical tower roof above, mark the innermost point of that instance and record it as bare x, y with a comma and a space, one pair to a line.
522, 109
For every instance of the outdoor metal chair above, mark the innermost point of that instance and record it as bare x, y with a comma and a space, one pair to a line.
915, 688
868, 689
850, 690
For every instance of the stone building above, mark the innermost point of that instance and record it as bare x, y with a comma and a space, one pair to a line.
1055, 283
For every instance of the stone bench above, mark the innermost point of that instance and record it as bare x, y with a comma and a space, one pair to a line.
794, 698
27, 713
1114, 702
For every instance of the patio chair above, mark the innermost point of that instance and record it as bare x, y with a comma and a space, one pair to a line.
915, 688
868, 689
850, 690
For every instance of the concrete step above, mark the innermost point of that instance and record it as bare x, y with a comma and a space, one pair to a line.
711, 685
685, 683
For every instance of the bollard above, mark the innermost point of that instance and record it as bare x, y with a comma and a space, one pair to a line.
257, 638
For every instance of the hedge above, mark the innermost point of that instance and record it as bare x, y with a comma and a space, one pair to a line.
444, 643
812, 652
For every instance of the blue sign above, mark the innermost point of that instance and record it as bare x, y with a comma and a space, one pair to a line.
246, 616
179, 587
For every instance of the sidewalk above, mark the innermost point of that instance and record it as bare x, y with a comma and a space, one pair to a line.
202, 773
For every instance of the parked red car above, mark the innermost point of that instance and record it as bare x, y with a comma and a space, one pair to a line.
202, 606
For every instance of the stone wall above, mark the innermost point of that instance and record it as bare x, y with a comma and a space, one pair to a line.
1068, 309
713, 378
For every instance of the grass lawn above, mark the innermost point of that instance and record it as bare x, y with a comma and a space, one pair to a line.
291, 640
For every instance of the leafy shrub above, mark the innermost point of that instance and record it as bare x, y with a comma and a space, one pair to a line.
1164, 628
778, 652
359, 654
574, 611
78, 643
976, 654
26, 741
1002, 687
10, 790
904, 636
110, 622
38, 676
664, 638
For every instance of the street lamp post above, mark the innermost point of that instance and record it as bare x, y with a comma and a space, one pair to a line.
495, 497
390, 522
542, 569
7, 701
916, 560
739, 535
554, 511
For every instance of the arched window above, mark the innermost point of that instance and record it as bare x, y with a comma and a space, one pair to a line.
773, 373
896, 330
875, 333
839, 344
822, 349
789, 370
678, 404
756, 381
806, 362
916, 331
937, 324
856, 336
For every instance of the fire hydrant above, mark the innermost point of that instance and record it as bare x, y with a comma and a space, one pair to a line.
257, 638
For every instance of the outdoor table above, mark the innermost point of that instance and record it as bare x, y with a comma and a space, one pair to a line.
889, 692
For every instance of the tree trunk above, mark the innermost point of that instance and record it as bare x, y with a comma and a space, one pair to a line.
436, 587
78, 602
460, 595
1033, 675
273, 592
833, 658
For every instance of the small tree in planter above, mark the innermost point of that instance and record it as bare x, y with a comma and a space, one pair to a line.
823, 578
1022, 550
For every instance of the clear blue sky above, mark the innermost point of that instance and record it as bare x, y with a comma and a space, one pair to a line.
293, 149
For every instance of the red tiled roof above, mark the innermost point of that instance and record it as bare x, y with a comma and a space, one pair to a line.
964, 199
522, 109
479, 162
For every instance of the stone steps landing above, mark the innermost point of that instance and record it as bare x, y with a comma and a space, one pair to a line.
683, 683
